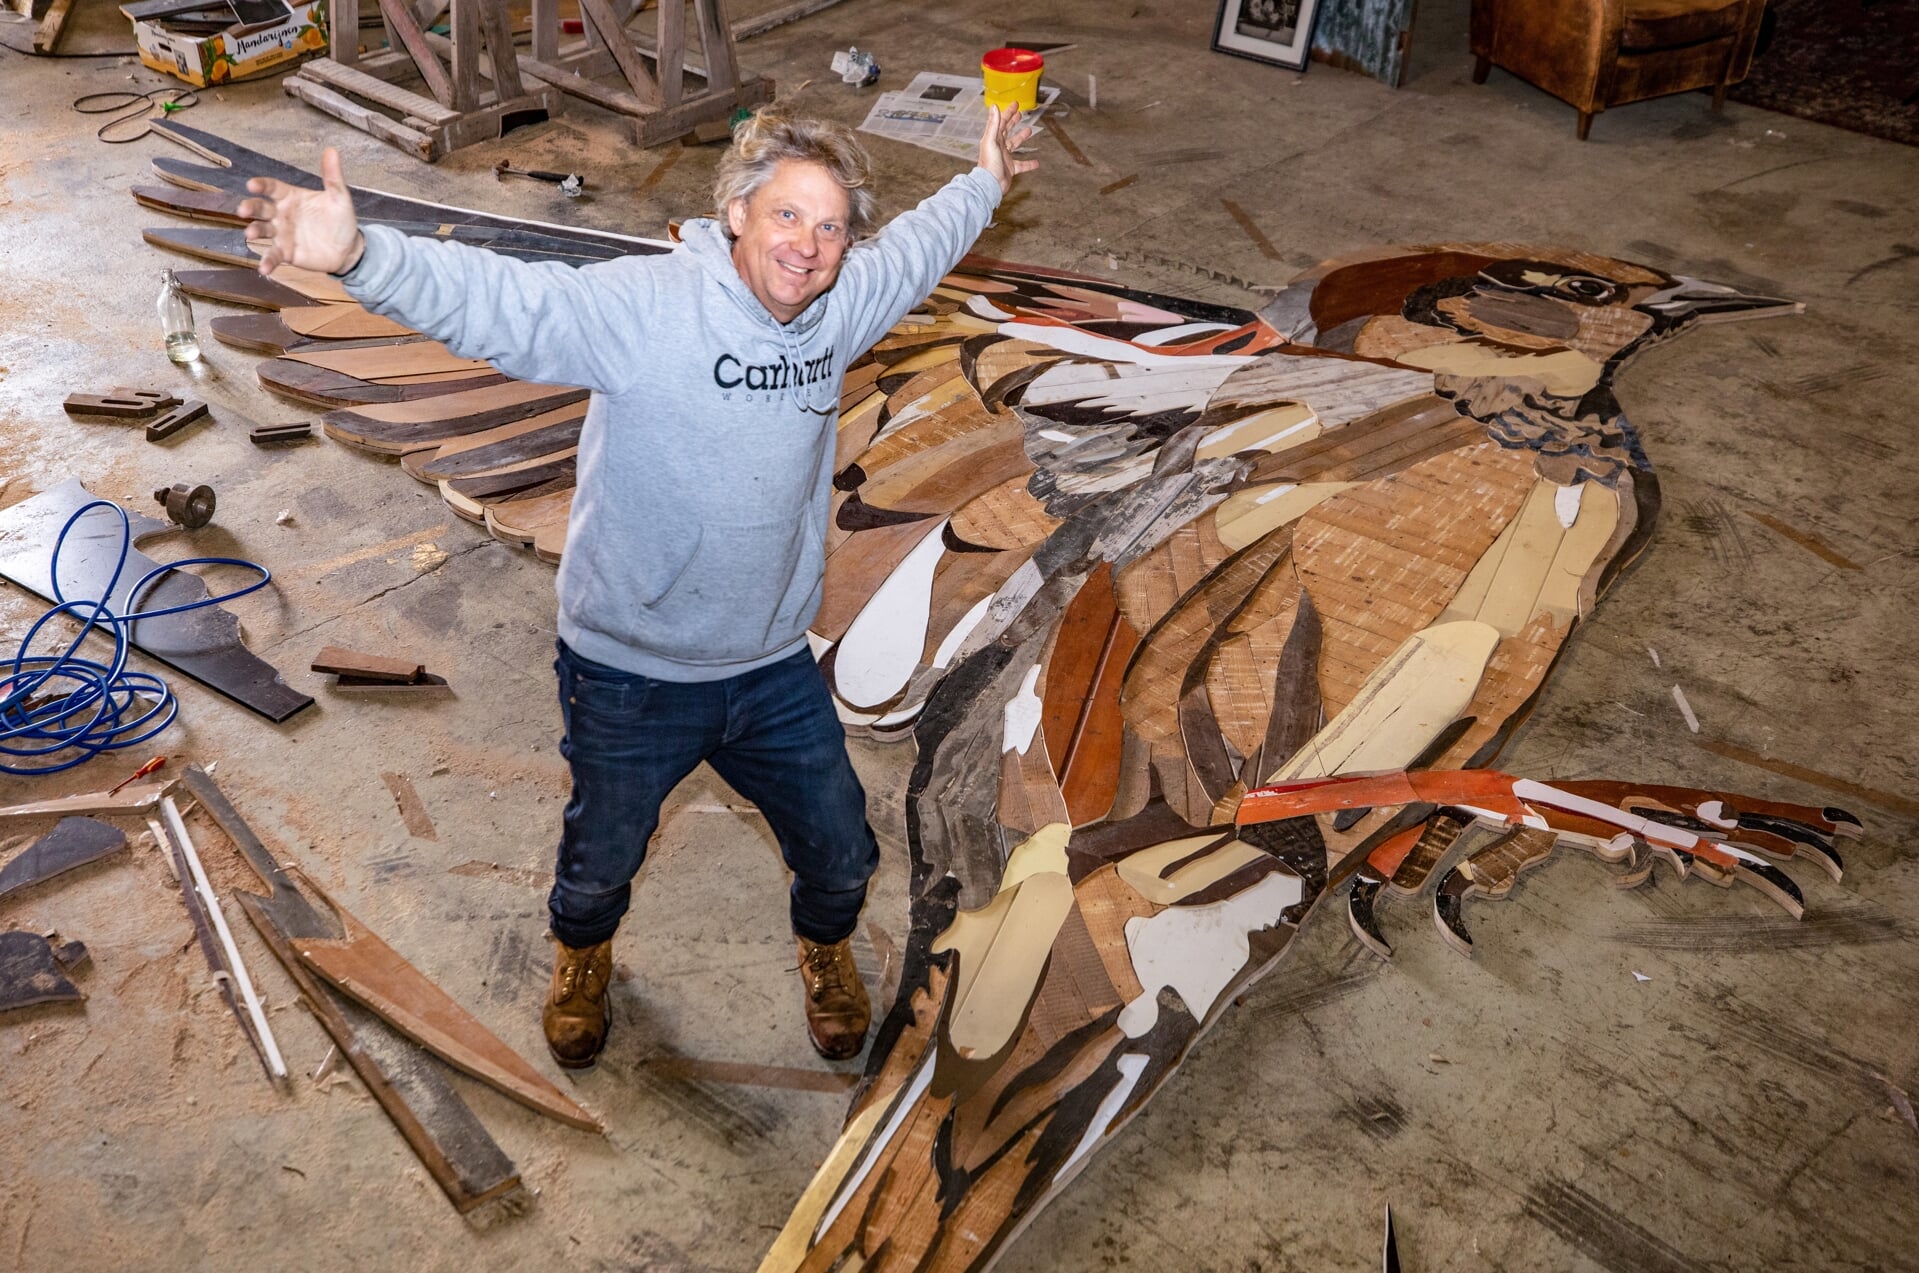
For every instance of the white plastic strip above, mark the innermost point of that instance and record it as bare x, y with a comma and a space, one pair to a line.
903, 1105
1659, 833
275, 1063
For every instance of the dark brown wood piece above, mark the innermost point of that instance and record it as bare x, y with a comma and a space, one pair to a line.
214, 206
329, 389
1297, 706
255, 333
263, 434
518, 482
32, 970
223, 244
1435, 840
121, 403
175, 420
427, 684
450, 1142
375, 974
1080, 712
503, 454
341, 661
239, 287
73, 842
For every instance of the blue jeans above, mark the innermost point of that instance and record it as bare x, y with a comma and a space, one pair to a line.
770, 733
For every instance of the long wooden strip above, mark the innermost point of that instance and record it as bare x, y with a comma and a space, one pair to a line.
374, 973
492, 408
420, 358
450, 1142
542, 436
132, 799
328, 389
239, 287
515, 481
340, 322
1080, 713
459, 405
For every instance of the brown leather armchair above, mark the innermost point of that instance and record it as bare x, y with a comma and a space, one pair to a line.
1597, 54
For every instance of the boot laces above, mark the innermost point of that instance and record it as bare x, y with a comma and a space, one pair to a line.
575, 975
824, 971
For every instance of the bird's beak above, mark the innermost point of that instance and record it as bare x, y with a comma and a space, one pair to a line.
1715, 303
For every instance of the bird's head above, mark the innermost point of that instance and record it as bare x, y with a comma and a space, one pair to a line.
1496, 310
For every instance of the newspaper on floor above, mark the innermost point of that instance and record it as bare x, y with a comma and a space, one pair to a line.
946, 113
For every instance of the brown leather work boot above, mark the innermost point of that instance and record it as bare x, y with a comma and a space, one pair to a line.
837, 1012
576, 1014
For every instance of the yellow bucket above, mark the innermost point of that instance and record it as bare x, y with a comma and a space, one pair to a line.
1012, 78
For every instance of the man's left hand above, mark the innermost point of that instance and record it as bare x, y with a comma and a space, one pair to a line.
1005, 133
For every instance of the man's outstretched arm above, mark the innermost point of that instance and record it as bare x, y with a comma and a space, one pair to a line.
884, 279
542, 321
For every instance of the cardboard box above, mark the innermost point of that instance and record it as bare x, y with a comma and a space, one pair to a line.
237, 53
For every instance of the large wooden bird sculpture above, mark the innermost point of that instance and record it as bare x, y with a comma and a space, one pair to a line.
1198, 616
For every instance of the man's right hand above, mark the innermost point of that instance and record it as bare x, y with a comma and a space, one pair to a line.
310, 229
1006, 131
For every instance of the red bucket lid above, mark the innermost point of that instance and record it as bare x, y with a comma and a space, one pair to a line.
1013, 61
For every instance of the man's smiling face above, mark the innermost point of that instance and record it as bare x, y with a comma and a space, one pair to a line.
790, 237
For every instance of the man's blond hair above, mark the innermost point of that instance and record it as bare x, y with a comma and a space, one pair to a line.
770, 137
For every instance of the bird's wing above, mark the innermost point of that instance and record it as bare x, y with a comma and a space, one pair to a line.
1193, 631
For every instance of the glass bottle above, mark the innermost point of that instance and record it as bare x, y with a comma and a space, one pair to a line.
176, 320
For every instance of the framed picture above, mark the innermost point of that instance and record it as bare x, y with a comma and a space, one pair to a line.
1276, 31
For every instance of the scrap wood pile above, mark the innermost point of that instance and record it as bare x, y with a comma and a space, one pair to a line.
1197, 615
398, 1030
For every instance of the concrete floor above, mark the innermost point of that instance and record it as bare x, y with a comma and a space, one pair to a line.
1538, 1107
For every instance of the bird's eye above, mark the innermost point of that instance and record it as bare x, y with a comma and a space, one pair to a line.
1587, 289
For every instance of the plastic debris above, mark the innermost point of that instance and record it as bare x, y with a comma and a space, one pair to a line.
1685, 709
856, 68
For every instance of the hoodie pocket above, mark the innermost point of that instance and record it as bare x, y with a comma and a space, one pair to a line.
744, 594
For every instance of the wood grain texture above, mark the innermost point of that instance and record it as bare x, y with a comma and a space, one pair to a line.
418, 358
240, 287
1382, 560
535, 439
340, 322
1157, 676
372, 972
1006, 516
856, 569
1380, 443
319, 387
1080, 713
520, 521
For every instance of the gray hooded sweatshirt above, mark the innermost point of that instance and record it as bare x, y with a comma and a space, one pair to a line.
695, 547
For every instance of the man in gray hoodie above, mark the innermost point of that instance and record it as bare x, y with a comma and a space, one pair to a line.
695, 547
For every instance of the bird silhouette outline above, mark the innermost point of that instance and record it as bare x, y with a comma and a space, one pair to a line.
1198, 616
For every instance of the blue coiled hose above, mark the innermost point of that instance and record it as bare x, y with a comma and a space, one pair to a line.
106, 707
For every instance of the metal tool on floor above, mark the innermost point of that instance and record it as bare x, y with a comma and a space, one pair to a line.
121, 402
261, 434
175, 420
188, 506
1389, 1259
150, 767
571, 184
